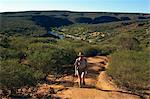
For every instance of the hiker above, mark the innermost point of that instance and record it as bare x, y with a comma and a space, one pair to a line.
80, 68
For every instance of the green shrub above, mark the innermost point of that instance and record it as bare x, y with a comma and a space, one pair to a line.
129, 43
51, 60
13, 74
40, 61
20, 42
40, 47
130, 69
6, 53
62, 57
107, 49
89, 50
4, 41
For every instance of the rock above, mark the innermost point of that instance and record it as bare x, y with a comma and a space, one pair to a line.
24, 90
31, 94
38, 85
45, 89
34, 89
50, 78
57, 87
51, 91
29, 90
19, 90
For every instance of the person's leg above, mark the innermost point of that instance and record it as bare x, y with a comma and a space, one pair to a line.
80, 80
83, 78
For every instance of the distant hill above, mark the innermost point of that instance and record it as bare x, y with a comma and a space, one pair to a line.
48, 19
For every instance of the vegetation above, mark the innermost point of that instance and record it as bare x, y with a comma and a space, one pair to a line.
33, 58
130, 70
27, 57
15, 75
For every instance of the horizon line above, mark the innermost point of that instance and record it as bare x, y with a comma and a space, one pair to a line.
74, 11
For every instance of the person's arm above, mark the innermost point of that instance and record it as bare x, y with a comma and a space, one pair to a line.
76, 65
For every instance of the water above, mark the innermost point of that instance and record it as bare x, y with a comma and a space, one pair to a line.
60, 36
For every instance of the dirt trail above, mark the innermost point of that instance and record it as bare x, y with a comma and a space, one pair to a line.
98, 84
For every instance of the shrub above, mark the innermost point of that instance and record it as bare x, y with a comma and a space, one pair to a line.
40, 61
61, 57
107, 49
130, 69
13, 74
4, 41
19, 43
129, 43
89, 50
6, 53
51, 60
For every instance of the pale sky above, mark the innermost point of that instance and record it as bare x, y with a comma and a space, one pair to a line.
139, 6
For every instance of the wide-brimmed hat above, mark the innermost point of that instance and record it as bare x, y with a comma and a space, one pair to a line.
80, 54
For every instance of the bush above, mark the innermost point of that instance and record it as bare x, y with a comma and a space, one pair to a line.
130, 69
107, 49
129, 43
51, 60
89, 50
40, 61
8, 53
62, 57
13, 74
4, 41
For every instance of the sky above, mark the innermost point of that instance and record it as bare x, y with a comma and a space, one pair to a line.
135, 6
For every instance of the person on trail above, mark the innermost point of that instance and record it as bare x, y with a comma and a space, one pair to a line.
80, 68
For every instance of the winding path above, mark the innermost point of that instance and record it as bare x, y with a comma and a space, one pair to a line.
98, 84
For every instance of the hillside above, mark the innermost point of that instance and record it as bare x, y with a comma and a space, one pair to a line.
49, 19
38, 50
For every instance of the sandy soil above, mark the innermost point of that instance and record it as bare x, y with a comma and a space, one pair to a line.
98, 84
